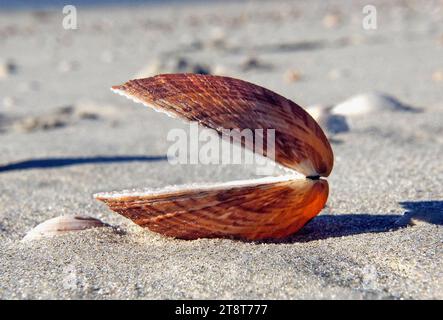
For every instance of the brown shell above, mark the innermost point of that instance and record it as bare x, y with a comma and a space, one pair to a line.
222, 102
272, 207
257, 210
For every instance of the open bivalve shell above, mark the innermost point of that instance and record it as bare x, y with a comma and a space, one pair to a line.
270, 207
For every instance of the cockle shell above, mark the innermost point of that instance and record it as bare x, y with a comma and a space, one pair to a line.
253, 209
221, 102
271, 207
61, 225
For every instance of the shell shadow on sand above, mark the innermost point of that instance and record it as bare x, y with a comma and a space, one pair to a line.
49, 163
321, 227
326, 226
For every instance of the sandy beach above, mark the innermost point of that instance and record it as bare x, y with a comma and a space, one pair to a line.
65, 136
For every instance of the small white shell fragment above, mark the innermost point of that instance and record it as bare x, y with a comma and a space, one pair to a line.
331, 123
369, 103
420, 218
292, 75
437, 76
7, 68
331, 20
220, 70
3, 71
61, 225
317, 110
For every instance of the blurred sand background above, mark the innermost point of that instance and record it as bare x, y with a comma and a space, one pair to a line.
64, 136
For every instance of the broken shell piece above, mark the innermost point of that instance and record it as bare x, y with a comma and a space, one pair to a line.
61, 225
370, 103
437, 76
62, 117
7, 68
331, 20
317, 110
272, 207
292, 76
3, 71
221, 70
30, 124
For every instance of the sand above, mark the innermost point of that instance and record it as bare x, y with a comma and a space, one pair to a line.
380, 235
